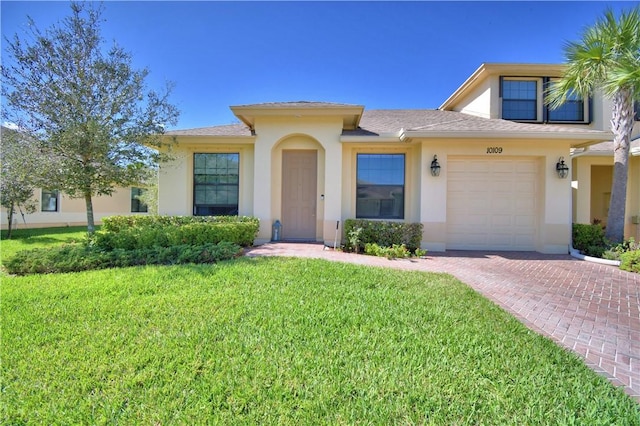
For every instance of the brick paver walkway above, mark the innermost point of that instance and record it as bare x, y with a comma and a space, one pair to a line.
589, 308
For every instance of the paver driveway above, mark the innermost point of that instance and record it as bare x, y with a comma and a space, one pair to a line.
589, 308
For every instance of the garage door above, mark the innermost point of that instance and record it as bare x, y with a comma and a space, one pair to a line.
492, 204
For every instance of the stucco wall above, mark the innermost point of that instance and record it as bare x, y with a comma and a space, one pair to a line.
593, 179
554, 206
72, 211
480, 101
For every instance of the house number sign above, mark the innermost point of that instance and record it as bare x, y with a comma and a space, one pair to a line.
494, 150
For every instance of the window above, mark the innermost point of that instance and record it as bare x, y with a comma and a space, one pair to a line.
215, 188
571, 110
49, 202
519, 99
137, 205
380, 186
522, 100
636, 110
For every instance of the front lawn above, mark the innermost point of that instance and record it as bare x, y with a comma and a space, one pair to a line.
282, 341
27, 239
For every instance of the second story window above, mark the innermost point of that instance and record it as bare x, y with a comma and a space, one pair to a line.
522, 99
571, 111
519, 99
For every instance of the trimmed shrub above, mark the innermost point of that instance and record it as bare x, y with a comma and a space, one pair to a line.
118, 223
139, 232
77, 257
394, 252
359, 232
589, 239
630, 261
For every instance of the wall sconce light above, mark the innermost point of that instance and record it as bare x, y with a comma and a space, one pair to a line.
562, 169
435, 166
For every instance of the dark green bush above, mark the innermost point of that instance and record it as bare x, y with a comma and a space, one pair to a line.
630, 261
118, 223
78, 257
382, 233
138, 232
589, 239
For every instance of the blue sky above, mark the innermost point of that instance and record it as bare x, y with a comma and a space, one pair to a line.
383, 55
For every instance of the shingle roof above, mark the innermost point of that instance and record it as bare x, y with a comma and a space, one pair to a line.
297, 104
238, 129
376, 122
381, 122
607, 147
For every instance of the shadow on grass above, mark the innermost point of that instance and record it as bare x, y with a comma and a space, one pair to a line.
43, 234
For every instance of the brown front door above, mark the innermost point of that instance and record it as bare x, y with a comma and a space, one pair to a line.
299, 178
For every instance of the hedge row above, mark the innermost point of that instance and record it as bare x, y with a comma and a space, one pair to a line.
79, 257
385, 234
141, 232
118, 223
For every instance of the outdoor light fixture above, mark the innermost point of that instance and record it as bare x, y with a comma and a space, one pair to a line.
435, 166
561, 168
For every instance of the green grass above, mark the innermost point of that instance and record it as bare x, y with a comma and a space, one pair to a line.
27, 239
282, 341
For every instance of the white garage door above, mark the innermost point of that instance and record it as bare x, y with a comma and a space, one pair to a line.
492, 203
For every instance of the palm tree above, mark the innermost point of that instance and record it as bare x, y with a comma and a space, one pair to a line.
607, 58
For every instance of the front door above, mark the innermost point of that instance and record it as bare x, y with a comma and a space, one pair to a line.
299, 179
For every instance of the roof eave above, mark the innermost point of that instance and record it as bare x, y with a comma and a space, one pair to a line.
587, 138
351, 114
207, 138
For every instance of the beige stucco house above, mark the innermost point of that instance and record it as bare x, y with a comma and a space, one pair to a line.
591, 164
312, 164
55, 208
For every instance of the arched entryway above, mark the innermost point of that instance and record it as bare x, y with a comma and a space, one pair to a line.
300, 158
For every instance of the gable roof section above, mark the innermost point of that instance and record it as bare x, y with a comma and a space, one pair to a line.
350, 113
488, 69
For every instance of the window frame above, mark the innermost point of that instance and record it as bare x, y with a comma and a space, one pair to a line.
586, 110
539, 83
543, 112
54, 194
212, 209
137, 205
359, 214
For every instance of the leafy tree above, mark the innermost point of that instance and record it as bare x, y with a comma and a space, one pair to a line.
87, 106
18, 174
607, 58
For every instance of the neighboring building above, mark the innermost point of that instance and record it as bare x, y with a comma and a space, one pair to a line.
55, 208
592, 174
311, 164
